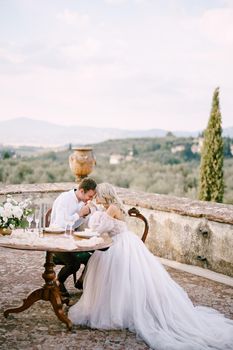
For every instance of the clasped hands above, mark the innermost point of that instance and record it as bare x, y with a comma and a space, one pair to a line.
86, 209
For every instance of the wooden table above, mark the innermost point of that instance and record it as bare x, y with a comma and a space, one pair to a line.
50, 290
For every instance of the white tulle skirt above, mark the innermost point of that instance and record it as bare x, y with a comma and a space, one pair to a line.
127, 287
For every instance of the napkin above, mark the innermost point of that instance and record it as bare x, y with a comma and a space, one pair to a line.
54, 228
23, 237
32, 239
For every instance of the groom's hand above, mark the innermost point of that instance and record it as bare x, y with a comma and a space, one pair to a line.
84, 211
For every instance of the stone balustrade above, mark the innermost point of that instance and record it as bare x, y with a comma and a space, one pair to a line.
184, 230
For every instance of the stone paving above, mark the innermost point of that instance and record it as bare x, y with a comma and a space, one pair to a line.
39, 329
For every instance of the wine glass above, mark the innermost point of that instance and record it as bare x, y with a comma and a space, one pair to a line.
37, 219
29, 220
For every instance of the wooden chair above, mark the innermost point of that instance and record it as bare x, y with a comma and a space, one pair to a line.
136, 213
48, 217
133, 212
56, 260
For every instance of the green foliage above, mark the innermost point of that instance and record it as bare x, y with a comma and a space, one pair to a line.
6, 153
170, 134
14, 214
153, 168
149, 149
211, 169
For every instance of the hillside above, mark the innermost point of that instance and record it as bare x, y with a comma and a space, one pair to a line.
25, 131
37, 133
161, 165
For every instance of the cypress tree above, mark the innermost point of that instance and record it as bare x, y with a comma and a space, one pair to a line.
211, 183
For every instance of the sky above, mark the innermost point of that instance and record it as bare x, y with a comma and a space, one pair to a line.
131, 64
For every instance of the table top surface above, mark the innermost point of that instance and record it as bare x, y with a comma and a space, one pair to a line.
57, 243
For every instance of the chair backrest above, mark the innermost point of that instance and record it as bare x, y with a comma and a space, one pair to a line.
136, 213
48, 217
132, 212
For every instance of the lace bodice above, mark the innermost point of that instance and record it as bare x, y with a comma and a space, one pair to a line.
102, 222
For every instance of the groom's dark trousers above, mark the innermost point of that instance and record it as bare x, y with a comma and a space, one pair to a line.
71, 262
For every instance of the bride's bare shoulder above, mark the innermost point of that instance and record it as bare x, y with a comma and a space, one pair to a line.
114, 211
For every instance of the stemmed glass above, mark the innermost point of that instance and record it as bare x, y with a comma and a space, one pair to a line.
30, 219
69, 221
37, 219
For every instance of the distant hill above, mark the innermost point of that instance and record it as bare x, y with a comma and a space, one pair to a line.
26, 131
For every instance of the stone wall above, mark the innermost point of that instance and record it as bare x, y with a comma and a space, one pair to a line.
188, 231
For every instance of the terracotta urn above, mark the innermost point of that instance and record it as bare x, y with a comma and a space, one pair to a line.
82, 162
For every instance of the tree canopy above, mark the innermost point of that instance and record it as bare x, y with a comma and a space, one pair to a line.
211, 183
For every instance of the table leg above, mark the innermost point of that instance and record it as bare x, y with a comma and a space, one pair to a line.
49, 292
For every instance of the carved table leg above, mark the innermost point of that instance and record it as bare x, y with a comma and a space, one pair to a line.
49, 292
34, 296
56, 302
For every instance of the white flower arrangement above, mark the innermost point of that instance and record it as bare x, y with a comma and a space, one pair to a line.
14, 214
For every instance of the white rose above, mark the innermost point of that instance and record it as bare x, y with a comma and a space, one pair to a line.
7, 213
1, 211
17, 212
5, 219
8, 206
23, 205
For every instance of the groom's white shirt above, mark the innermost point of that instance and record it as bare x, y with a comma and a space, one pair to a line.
67, 204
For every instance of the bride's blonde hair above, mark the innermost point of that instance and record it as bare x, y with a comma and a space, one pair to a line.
107, 192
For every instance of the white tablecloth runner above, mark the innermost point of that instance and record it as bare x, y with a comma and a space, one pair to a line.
32, 239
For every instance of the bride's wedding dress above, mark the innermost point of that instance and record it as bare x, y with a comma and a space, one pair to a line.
127, 287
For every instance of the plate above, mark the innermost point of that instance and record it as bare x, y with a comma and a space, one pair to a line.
86, 234
53, 230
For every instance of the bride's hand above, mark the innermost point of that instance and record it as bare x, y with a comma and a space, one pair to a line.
93, 207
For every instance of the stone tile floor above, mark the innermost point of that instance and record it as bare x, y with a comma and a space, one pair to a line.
38, 328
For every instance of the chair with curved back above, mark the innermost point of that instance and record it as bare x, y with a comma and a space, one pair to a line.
136, 213
56, 260
48, 217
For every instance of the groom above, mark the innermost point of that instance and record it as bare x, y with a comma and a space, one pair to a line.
72, 204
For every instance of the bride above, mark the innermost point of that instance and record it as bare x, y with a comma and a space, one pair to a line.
127, 287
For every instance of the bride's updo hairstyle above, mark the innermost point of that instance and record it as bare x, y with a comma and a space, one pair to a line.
108, 193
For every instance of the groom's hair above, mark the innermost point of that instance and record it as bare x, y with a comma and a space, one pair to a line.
87, 184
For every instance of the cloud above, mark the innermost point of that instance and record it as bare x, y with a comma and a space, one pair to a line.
217, 24
9, 56
76, 52
160, 60
120, 2
74, 18
115, 2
